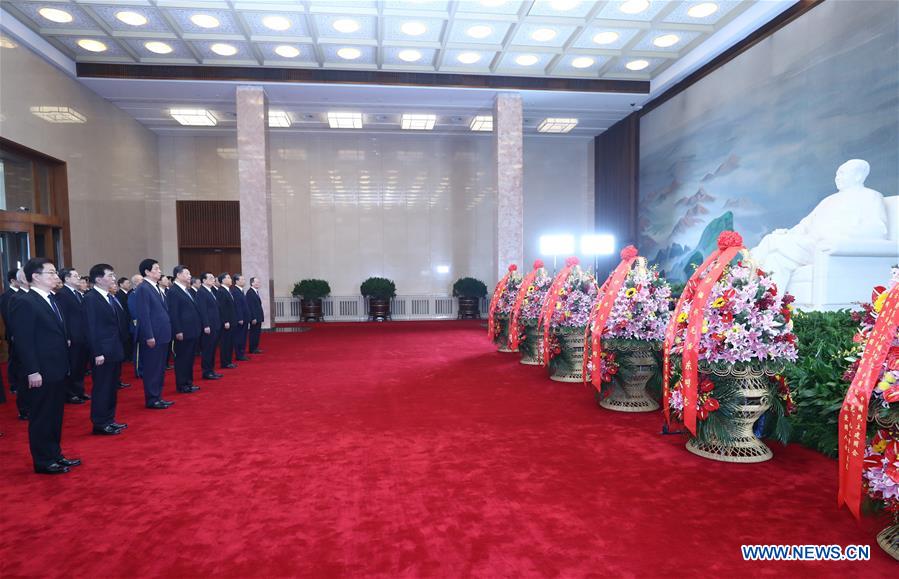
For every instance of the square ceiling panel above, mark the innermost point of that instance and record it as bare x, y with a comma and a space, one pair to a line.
700, 12
522, 63
143, 19
405, 56
276, 24
349, 55
225, 50
664, 41
56, 16
413, 29
201, 21
346, 27
634, 10
606, 37
484, 31
539, 35
155, 49
562, 8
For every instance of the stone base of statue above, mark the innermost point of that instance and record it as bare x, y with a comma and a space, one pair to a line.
743, 446
532, 353
572, 345
888, 539
637, 365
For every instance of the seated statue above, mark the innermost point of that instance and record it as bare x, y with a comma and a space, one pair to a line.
854, 211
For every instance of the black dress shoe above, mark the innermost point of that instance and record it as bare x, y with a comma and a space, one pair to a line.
107, 430
158, 405
169, 367
54, 468
230, 366
69, 461
211, 376
217, 375
23, 417
119, 425
193, 387
123, 385
243, 359
255, 351
74, 400
166, 402
183, 389
85, 396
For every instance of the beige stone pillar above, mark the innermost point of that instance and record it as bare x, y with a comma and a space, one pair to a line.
507, 136
255, 195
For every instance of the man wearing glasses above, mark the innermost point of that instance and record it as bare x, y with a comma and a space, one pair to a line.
42, 350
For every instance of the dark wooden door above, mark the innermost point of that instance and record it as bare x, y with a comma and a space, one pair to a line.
209, 236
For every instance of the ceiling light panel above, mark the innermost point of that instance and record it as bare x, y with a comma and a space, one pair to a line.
556, 125
113, 51
562, 8
192, 117
332, 53
418, 122
531, 35
598, 37
648, 42
286, 52
524, 62
613, 10
226, 23
393, 56
417, 5
205, 48
683, 14
481, 123
59, 12
451, 59
180, 52
507, 7
278, 119
458, 33
631, 66
108, 14
324, 25
53, 114
258, 25
393, 29
344, 120
581, 64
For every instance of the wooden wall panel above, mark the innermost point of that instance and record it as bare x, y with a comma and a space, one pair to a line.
208, 224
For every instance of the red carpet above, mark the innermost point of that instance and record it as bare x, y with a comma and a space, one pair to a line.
403, 449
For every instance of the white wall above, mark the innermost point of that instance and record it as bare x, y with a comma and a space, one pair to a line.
111, 161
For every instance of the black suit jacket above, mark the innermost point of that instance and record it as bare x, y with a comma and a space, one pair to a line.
41, 339
73, 314
4, 308
185, 314
210, 309
254, 303
122, 296
227, 310
104, 327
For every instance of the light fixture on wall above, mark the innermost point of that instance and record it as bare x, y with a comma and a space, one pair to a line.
556, 245
556, 125
482, 123
194, 117
597, 244
58, 114
342, 120
418, 122
278, 119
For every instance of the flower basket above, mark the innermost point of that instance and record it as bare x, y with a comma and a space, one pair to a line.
526, 334
531, 347
568, 352
728, 340
502, 334
626, 328
501, 309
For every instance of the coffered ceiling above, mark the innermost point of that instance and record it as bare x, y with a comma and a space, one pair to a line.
609, 39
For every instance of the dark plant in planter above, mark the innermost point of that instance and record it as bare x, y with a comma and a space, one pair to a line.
469, 291
378, 290
311, 291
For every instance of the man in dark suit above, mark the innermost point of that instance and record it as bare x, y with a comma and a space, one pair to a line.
124, 285
210, 310
42, 348
243, 317
228, 313
125, 323
257, 314
71, 302
188, 324
154, 333
17, 381
105, 338
12, 288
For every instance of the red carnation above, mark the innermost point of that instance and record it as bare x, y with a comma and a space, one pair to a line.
629, 252
572, 261
538, 264
711, 405
729, 239
513, 267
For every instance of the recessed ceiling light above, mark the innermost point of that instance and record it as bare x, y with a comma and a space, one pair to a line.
468, 57
91, 45
639, 64
564, 5
55, 15
605, 37
205, 20
666, 40
349, 53
58, 114
416, 122
493, 3
275, 22
413, 28
345, 25
526, 60
556, 125
702, 10
7, 42
278, 119
633, 6
287, 51
582, 62
223, 49
481, 123
131, 18
409, 55
543, 34
194, 117
479, 31
158, 47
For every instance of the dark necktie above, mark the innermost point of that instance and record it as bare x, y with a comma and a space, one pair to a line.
52, 299
112, 304
78, 296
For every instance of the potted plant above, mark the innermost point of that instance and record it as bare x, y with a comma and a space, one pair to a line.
469, 291
311, 292
379, 291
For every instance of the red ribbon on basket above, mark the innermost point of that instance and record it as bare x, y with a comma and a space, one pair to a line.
549, 304
729, 245
514, 332
854, 413
497, 293
600, 314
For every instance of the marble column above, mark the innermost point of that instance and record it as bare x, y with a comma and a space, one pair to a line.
255, 195
507, 136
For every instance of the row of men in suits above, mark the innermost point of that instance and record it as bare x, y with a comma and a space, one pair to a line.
54, 331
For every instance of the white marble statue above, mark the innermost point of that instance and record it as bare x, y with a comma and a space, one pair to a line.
854, 211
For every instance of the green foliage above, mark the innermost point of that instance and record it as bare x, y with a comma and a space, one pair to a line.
311, 289
816, 378
378, 287
469, 287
